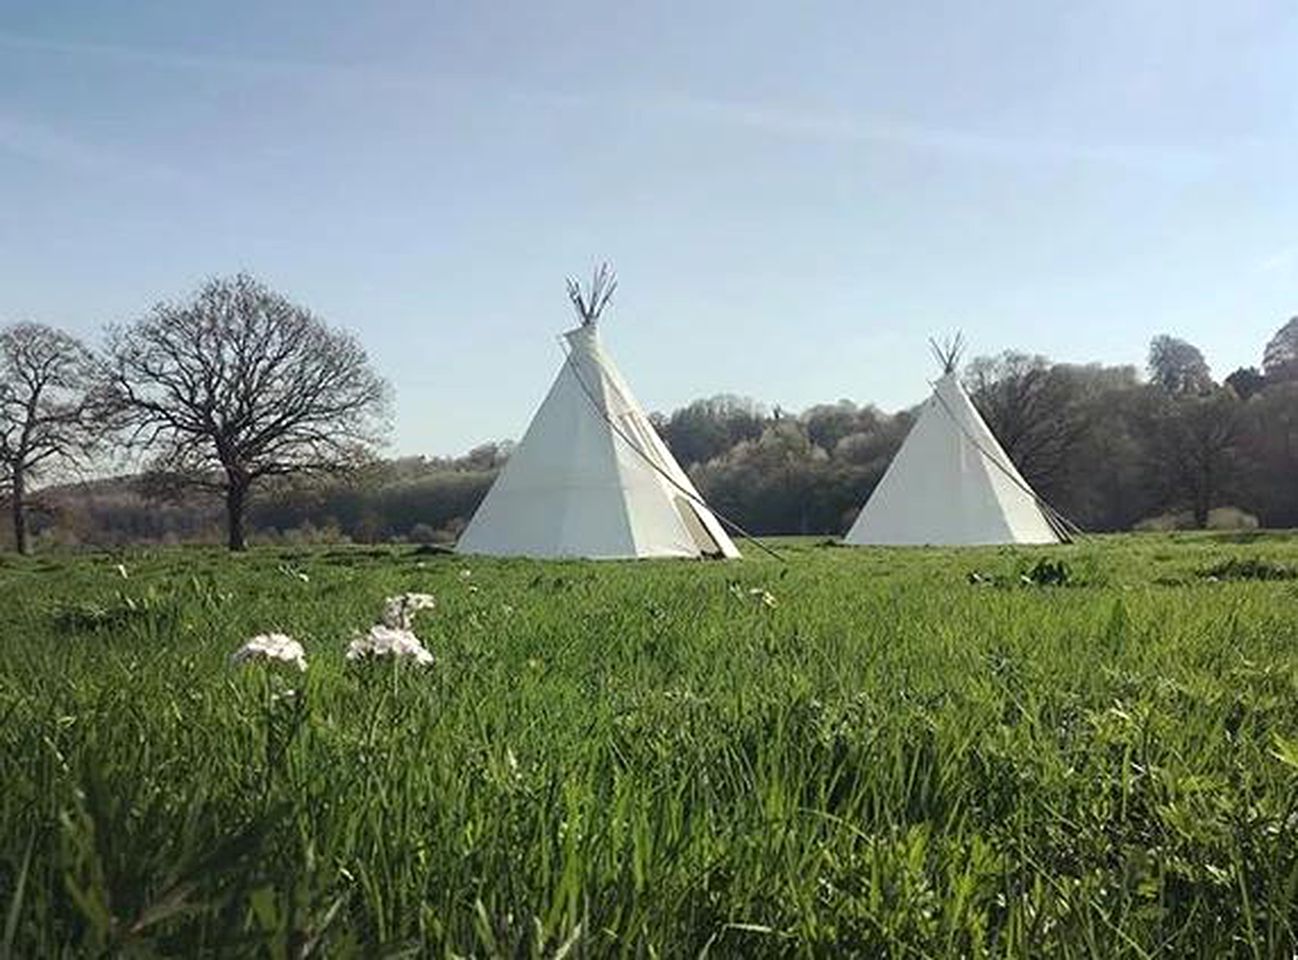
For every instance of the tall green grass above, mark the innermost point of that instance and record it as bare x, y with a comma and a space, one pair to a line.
648, 760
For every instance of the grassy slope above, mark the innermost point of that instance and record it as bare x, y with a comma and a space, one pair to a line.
646, 757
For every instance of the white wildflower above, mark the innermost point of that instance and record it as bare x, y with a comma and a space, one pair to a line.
466, 573
385, 641
271, 646
121, 569
765, 597
399, 612
294, 573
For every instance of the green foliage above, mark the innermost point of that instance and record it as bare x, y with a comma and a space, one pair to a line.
1250, 568
1047, 573
1177, 366
854, 754
1280, 357
1044, 572
1106, 450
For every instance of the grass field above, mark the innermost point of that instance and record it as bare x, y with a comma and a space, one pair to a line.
876, 756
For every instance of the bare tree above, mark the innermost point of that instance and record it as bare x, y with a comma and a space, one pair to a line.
1192, 443
239, 385
1033, 409
46, 410
1271, 451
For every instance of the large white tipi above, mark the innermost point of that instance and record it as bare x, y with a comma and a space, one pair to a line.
591, 477
951, 483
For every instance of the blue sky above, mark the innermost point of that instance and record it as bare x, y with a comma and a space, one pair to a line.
795, 196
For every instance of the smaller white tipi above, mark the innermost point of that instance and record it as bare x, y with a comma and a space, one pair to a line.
591, 477
951, 483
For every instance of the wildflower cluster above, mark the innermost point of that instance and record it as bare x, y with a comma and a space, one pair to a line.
757, 594
394, 635
385, 641
271, 647
399, 612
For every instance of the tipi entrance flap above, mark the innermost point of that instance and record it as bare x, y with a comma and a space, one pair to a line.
704, 542
652, 479
640, 433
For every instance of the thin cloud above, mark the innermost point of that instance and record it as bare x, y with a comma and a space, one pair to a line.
1281, 260
145, 55
777, 120
45, 145
796, 123
235, 67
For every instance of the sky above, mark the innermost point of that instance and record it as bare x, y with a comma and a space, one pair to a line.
795, 196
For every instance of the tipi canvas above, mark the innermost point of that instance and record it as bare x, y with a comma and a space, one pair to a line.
591, 477
951, 483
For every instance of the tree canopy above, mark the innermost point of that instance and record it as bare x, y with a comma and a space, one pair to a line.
1280, 358
239, 384
1104, 447
1177, 366
47, 395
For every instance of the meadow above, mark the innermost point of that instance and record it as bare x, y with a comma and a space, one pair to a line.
1084, 751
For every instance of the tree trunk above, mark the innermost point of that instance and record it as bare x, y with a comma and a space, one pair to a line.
1204, 496
1201, 516
236, 497
19, 515
1202, 503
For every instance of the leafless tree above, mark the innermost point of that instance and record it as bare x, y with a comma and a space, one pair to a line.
46, 411
1192, 443
239, 385
1031, 406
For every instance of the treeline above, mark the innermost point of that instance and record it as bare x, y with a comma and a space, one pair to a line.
1105, 447
1108, 447
230, 392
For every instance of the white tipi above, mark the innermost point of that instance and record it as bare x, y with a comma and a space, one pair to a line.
951, 483
591, 477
